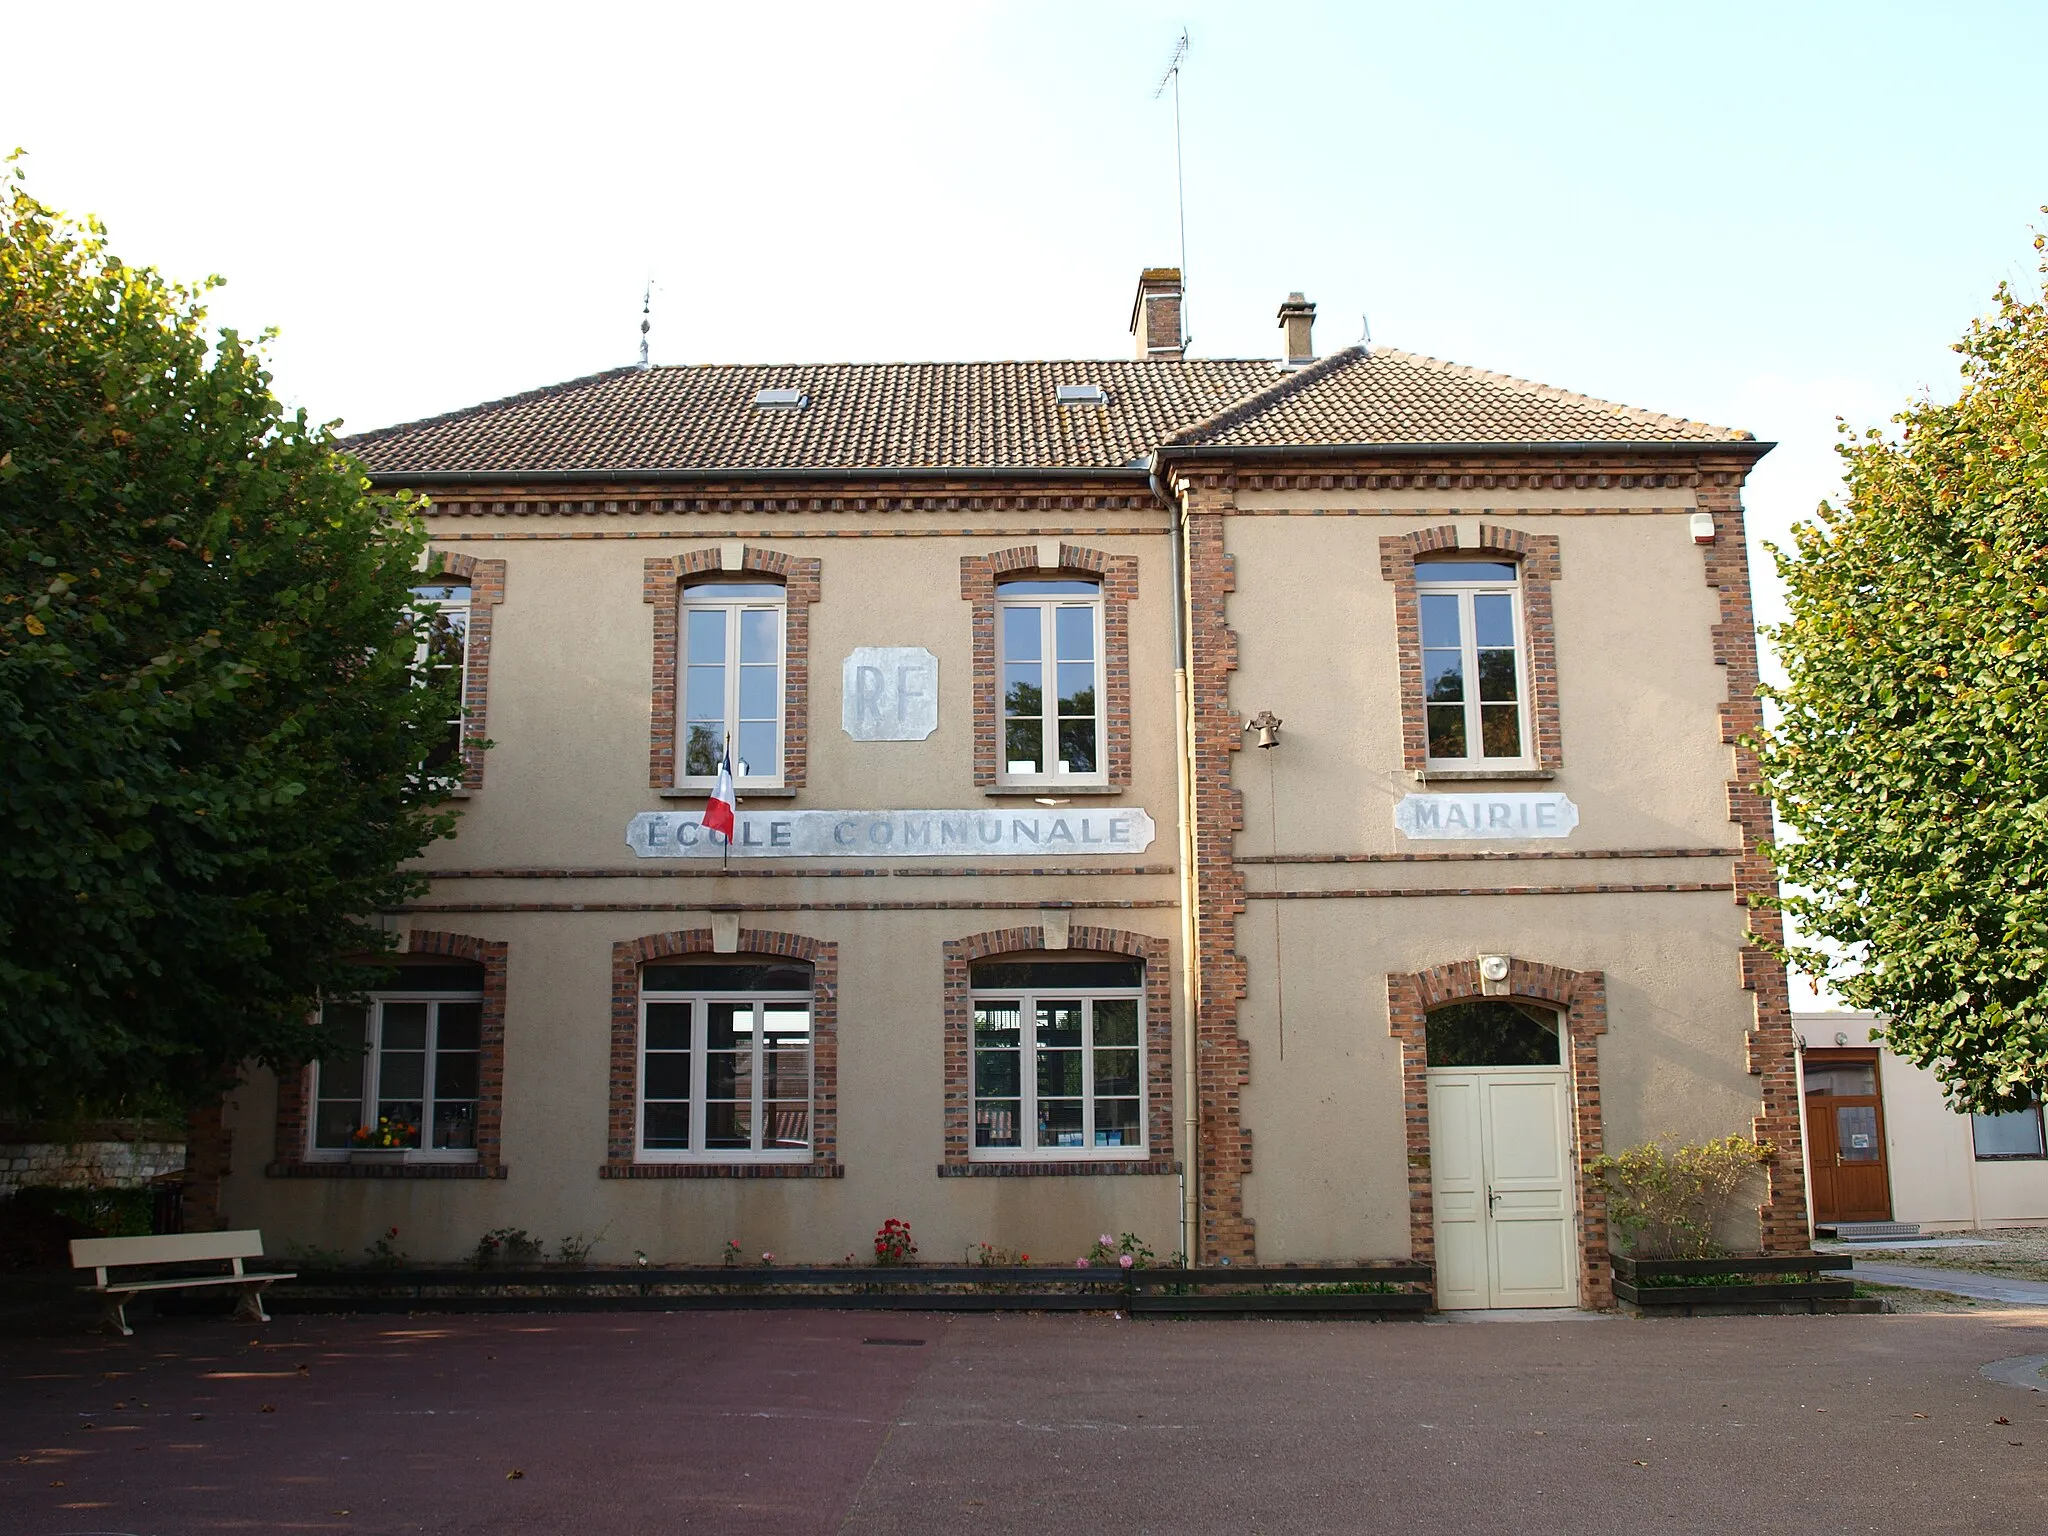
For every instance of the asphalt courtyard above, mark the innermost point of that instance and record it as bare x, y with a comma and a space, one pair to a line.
871, 1423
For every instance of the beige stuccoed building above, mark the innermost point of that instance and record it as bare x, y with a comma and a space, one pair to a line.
1287, 810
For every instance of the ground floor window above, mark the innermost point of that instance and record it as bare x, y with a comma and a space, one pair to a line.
2014, 1135
725, 1062
405, 1074
1059, 1058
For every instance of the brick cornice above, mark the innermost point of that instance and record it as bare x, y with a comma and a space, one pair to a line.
627, 497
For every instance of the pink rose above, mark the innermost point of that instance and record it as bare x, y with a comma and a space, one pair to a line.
1125, 1261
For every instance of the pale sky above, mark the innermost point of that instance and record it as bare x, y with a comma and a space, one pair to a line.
1761, 215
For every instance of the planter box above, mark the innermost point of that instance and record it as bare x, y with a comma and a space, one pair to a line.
379, 1157
1647, 1284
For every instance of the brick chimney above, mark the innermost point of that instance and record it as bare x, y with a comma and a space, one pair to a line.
1155, 315
1297, 319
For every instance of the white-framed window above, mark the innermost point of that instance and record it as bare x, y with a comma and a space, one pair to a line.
724, 1063
1049, 644
410, 1060
1059, 1059
2010, 1137
731, 681
1474, 675
445, 650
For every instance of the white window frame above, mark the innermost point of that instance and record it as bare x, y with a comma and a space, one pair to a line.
700, 595
1047, 606
1468, 652
423, 662
372, 1067
700, 1020
1027, 1000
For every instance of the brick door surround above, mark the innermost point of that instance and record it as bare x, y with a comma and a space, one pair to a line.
1581, 996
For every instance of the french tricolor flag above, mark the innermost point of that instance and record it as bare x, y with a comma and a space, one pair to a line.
718, 810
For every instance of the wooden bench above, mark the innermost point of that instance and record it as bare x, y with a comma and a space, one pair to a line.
101, 1254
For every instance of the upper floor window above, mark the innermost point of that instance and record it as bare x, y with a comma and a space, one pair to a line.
725, 1062
445, 651
732, 681
1059, 1059
1050, 641
1473, 675
407, 1073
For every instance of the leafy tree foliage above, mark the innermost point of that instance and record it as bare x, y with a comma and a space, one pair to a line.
1910, 759
210, 727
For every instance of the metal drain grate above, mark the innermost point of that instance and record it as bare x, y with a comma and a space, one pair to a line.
902, 1343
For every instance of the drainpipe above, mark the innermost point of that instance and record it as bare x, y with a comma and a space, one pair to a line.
1191, 975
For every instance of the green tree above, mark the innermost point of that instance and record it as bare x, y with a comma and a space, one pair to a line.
210, 727
1909, 760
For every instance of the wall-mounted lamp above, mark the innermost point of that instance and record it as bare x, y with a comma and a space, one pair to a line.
1264, 729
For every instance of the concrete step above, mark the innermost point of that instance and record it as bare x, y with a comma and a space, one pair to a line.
1867, 1231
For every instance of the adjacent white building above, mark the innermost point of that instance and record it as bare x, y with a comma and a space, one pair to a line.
1882, 1143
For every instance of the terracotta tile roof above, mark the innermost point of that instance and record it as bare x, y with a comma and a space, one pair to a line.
983, 416
996, 416
1387, 396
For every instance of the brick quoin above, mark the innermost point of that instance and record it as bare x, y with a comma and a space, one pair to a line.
1771, 1045
1582, 997
1537, 555
628, 956
661, 586
486, 580
1118, 575
295, 1088
1223, 1149
958, 1129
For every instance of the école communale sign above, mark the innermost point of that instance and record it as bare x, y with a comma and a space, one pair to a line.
894, 834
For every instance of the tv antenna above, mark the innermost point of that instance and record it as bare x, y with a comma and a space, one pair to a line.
1172, 77
646, 322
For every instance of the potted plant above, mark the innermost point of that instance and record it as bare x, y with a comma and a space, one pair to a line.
1666, 1205
388, 1141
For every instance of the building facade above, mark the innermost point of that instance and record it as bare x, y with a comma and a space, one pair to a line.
1287, 810
1883, 1145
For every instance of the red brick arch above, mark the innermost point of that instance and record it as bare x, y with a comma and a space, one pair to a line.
628, 955
959, 1048
1537, 555
486, 580
1118, 575
662, 587
1581, 996
295, 1088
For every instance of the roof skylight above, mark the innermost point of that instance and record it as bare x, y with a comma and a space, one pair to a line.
782, 399
1082, 394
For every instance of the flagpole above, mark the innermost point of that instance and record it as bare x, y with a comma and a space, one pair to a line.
726, 866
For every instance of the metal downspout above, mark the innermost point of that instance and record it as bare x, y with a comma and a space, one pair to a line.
1190, 988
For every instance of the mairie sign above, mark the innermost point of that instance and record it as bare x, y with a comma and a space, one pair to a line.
1496, 816
1060, 834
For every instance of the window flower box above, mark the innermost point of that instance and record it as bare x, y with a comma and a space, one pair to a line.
378, 1156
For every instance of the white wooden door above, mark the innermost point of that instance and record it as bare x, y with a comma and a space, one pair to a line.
1500, 1174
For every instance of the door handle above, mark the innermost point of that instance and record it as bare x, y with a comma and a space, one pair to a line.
1491, 1198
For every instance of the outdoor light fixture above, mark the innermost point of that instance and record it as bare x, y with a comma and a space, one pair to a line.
1264, 729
